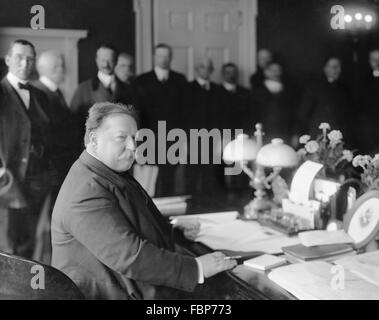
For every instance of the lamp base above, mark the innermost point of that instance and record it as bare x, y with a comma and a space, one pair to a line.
255, 207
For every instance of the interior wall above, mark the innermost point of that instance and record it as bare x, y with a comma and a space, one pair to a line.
108, 21
299, 32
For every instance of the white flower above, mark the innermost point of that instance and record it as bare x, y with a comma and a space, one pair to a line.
361, 161
301, 152
347, 155
324, 126
304, 138
335, 136
311, 146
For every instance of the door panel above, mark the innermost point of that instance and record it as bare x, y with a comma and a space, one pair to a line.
198, 28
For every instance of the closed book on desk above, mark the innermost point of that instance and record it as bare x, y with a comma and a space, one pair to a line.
301, 252
265, 262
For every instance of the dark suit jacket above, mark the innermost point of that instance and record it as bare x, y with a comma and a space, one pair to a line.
111, 240
161, 101
15, 136
238, 110
326, 102
91, 91
64, 130
276, 111
369, 114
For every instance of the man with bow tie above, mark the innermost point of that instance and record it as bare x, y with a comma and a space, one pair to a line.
105, 86
25, 148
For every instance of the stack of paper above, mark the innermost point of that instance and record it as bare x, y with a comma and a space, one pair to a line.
265, 262
365, 266
317, 281
245, 236
323, 237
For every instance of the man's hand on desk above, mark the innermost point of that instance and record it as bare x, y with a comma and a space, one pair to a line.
216, 262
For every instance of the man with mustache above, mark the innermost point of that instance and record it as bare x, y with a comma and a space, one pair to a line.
105, 86
107, 234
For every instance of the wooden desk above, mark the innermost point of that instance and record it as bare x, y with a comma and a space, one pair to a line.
241, 283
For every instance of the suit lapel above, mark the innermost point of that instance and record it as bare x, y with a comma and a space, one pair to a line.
127, 183
14, 99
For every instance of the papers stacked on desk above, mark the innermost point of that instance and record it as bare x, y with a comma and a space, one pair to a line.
365, 266
314, 281
324, 237
223, 231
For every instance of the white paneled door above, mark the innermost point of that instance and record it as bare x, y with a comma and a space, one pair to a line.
223, 30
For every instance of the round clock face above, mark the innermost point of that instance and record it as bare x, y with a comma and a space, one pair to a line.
362, 221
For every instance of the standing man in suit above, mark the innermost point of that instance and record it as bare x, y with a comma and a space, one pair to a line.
204, 111
105, 86
276, 102
370, 100
238, 113
51, 69
161, 97
124, 69
107, 234
327, 100
25, 147
264, 57
236, 101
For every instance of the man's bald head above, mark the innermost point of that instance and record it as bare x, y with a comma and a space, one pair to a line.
51, 64
204, 68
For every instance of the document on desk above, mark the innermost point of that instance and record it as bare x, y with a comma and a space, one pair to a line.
313, 281
245, 236
365, 266
324, 237
207, 219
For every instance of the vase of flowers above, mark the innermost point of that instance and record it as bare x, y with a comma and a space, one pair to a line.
328, 149
370, 170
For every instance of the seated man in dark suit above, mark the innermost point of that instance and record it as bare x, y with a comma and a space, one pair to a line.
105, 86
107, 234
25, 143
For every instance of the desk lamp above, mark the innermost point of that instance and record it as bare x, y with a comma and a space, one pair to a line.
275, 155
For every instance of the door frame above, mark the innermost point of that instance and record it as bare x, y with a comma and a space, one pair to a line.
144, 37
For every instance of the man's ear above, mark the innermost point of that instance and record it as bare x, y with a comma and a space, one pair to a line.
93, 138
7, 60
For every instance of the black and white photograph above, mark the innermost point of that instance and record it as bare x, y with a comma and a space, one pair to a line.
201, 151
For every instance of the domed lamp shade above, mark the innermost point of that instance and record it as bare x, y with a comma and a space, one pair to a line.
277, 155
241, 149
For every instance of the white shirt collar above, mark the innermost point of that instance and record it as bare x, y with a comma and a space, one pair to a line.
51, 85
105, 79
162, 74
230, 86
203, 83
273, 86
13, 80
